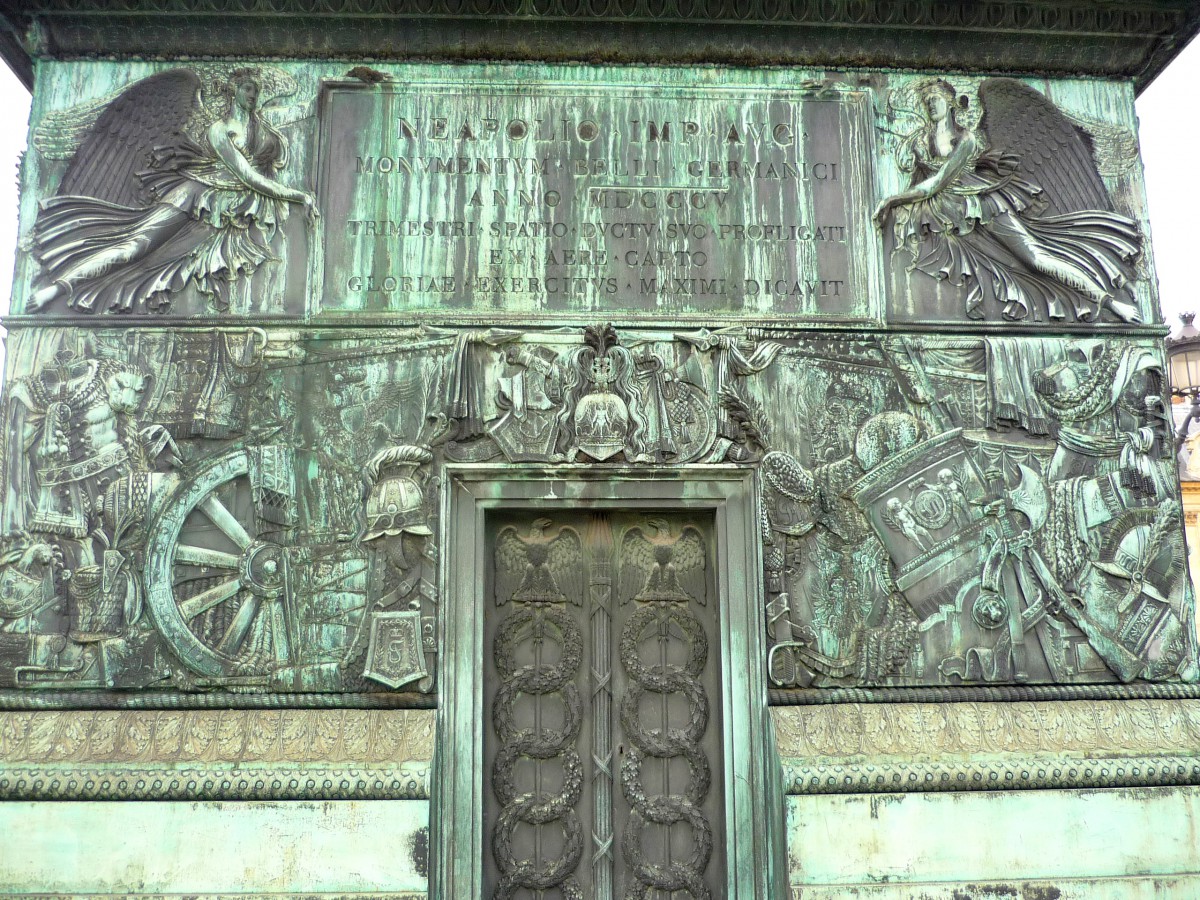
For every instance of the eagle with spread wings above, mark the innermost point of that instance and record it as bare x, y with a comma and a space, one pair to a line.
1006, 201
663, 566
544, 566
171, 183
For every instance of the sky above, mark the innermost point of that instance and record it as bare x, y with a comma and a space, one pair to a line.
1169, 132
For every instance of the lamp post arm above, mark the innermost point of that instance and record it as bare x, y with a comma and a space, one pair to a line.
1193, 415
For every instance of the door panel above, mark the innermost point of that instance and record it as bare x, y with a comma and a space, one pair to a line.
603, 769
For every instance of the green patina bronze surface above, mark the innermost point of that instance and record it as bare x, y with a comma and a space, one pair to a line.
586, 403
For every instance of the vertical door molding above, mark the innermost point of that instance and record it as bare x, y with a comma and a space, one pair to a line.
753, 828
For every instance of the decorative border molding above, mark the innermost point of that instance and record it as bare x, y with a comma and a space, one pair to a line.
1135, 39
867, 748
404, 895
1124, 887
932, 731
1017, 15
1025, 773
983, 694
230, 737
407, 781
216, 755
153, 700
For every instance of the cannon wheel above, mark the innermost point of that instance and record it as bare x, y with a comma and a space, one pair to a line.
215, 585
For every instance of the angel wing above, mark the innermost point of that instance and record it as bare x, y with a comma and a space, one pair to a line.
150, 114
636, 564
512, 561
1114, 148
690, 560
564, 558
60, 133
1054, 152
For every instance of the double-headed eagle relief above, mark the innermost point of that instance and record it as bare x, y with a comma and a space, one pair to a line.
1006, 203
172, 184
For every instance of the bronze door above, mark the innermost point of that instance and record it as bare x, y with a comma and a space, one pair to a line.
603, 771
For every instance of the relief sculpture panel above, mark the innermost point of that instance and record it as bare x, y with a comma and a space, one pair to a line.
310, 190
935, 510
1007, 215
248, 500
170, 199
978, 511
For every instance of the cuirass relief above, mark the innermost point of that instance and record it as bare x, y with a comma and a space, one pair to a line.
604, 766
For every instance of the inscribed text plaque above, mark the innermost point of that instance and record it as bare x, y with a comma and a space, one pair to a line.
595, 199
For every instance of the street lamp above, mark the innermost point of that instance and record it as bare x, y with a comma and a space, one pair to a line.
1183, 359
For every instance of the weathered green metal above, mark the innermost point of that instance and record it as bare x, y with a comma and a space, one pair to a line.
216, 754
1064, 37
817, 414
723, 194
264, 392
215, 849
752, 832
1021, 844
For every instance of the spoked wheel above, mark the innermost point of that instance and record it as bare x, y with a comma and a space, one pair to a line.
217, 582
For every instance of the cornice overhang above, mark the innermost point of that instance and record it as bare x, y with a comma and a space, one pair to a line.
1100, 38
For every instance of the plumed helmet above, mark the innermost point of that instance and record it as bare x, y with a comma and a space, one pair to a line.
395, 500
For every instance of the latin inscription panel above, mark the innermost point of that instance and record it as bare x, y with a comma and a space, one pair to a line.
595, 200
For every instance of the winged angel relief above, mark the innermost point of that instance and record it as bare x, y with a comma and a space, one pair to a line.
1006, 201
171, 183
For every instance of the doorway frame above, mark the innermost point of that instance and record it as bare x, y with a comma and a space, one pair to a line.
754, 802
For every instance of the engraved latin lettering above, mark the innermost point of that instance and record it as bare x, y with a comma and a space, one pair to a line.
679, 211
782, 287
407, 284
666, 258
606, 198
694, 231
